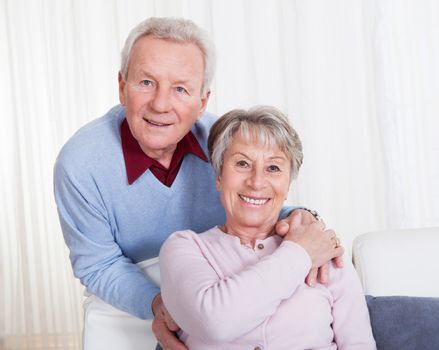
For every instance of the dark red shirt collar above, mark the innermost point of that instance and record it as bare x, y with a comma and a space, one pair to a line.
137, 162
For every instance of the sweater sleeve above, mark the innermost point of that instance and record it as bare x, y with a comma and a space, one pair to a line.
96, 258
351, 325
213, 307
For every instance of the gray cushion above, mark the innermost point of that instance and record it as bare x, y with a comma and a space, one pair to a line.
404, 323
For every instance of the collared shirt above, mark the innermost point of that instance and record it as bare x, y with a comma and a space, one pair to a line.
137, 162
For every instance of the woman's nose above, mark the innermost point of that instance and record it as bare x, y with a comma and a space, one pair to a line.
256, 180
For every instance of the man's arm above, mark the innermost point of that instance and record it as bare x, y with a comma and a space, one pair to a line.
96, 258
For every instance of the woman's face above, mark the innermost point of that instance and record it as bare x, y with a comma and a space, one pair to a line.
254, 183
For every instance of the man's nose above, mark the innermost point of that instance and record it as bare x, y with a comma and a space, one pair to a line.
161, 101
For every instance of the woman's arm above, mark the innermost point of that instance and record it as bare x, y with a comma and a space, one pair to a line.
214, 307
351, 323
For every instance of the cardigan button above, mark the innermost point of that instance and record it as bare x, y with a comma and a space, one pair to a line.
260, 246
258, 348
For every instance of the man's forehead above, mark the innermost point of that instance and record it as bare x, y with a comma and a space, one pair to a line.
154, 43
183, 61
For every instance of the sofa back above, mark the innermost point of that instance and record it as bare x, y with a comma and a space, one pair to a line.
399, 270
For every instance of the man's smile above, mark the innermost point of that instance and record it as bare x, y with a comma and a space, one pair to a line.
156, 123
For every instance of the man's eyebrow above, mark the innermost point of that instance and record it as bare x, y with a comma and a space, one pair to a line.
187, 82
183, 82
148, 74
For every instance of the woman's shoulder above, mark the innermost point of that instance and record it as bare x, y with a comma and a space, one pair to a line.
189, 237
342, 277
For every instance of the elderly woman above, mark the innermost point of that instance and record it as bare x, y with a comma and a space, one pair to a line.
241, 286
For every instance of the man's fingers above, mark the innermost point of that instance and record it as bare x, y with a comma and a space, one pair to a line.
282, 228
310, 280
338, 254
165, 337
339, 261
324, 273
170, 323
163, 326
295, 219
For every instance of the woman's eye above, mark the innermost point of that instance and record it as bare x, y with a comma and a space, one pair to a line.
242, 163
273, 168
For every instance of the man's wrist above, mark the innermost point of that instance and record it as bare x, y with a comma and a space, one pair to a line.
313, 213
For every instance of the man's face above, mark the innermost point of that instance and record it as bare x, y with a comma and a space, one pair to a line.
162, 94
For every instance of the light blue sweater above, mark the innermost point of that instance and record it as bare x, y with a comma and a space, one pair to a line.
110, 225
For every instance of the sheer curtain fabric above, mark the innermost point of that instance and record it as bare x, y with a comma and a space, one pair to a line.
358, 78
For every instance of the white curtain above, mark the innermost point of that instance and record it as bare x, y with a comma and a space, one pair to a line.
358, 78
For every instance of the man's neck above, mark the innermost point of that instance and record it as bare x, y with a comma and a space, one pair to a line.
163, 156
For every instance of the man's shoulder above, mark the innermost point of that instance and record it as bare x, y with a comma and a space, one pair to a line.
101, 129
96, 138
97, 132
202, 127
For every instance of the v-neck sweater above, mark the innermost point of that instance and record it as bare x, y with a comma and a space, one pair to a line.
110, 225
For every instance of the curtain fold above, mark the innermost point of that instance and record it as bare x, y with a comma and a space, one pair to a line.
358, 78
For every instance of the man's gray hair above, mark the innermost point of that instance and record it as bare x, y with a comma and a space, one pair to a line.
265, 124
177, 30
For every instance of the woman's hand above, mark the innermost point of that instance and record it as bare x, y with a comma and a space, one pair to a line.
322, 245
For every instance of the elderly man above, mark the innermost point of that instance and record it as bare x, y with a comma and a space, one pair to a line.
126, 181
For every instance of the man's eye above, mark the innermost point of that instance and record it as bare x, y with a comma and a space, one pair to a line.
146, 82
180, 89
273, 168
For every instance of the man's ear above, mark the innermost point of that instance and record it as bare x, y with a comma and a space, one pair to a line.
122, 84
204, 101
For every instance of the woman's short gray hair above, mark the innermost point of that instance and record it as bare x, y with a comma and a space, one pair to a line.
177, 30
266, 124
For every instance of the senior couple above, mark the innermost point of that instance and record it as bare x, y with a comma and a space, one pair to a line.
137, 182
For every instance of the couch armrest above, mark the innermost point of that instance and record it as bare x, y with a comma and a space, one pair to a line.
398, 262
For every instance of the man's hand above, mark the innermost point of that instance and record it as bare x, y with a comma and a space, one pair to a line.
302, 228
164, 326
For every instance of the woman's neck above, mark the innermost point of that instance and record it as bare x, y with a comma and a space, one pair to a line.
248, 235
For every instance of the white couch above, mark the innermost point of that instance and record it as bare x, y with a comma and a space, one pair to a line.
399, 271
402, 263
398, 262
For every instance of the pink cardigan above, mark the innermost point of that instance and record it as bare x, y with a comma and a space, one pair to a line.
229, 296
